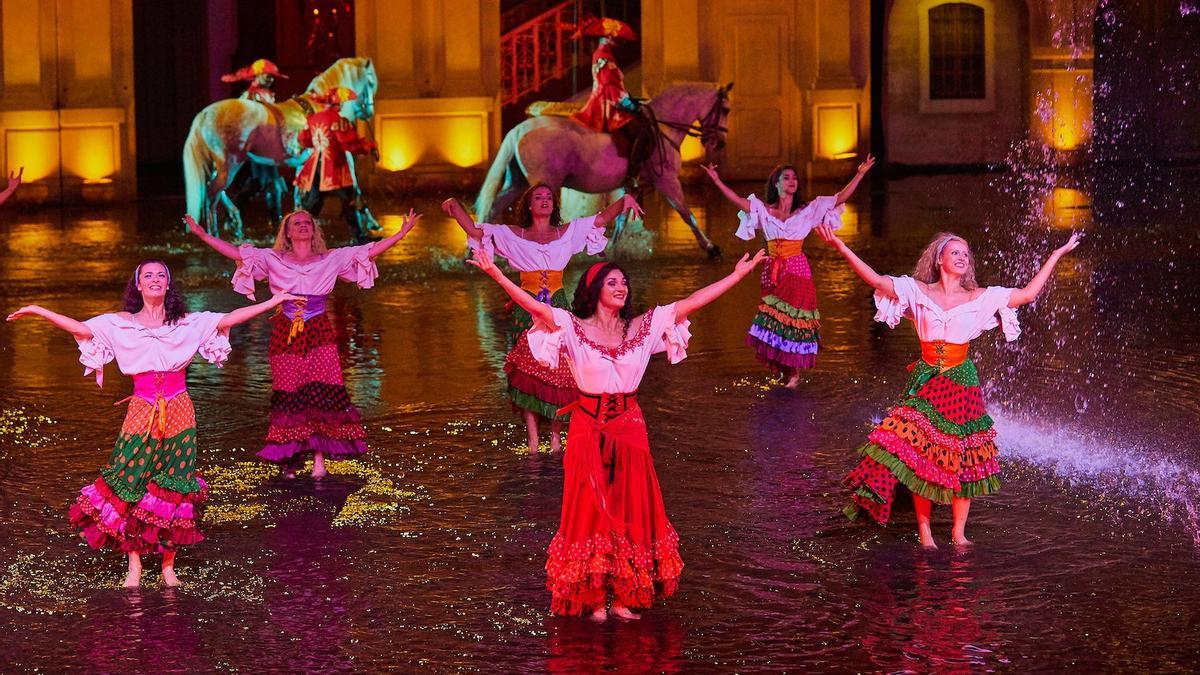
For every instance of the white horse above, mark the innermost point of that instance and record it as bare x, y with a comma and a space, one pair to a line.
561, 153
228, 133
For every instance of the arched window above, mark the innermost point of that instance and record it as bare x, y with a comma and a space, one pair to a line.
956, 52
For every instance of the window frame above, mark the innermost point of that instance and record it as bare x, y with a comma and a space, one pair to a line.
959, 105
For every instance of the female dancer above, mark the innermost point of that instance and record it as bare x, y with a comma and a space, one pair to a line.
938, 441
786, 332
539, 246
311, 411
614, 539
149, 498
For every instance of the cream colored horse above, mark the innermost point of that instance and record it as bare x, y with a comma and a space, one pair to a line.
228, 133
561, 153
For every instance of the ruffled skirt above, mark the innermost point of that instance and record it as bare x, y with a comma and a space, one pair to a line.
150, 497
938, 442
532, 385
786, 331
311, 410
614, 537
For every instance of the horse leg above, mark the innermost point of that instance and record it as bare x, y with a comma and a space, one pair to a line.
235, 215
670, 188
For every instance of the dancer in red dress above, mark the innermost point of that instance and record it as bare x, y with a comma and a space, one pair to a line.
938, 440
614, 540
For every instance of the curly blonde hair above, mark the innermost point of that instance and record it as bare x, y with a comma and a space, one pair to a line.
929, 272
283, 242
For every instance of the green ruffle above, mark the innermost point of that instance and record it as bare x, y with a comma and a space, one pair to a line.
794, 312
963, 374
536, 405
126, 447
980, 487
918, 485
785, 331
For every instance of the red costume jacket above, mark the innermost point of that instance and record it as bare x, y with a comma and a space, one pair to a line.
330, 136
601, 112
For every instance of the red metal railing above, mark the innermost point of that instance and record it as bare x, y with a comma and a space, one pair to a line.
535, 52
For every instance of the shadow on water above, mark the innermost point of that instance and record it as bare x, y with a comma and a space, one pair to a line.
428, 552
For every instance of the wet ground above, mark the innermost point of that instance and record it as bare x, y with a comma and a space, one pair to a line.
428, 553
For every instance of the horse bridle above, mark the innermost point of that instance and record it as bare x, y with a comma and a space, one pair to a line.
710, 125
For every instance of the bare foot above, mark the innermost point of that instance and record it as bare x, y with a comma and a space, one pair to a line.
960, 539
599, 616
318, 475
533, 448
793, 382
169, 578
622, 612
926, 538
133, 579
555, 443
290, 475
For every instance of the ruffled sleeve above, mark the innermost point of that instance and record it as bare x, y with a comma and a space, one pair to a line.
585, 236
488, 241
891, 310
356, 265
996, 305
213, 345
547, 344
97, 350
668, 336
251, 268
822, 211
751, 221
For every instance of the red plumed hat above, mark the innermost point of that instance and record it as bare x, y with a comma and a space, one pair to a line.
252, 71
604, 27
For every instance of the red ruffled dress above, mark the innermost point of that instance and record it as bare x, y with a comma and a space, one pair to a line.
614, 538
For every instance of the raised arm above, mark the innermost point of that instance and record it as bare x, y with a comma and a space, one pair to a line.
1024, 296
220, 246
78, 329
714, 290
877, 281
244, 314
863, 168
610, 212
742, 202
410, 221
541, 312
455, 210
14, 181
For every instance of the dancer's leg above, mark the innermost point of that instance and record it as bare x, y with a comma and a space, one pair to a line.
924, 508
133, 578
531, 428
961, 507
168, 569
319, 471
555, 436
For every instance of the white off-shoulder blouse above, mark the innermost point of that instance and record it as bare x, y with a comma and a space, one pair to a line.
958, 325
611, 370
138, 349
529, 256
822, 210
315, 277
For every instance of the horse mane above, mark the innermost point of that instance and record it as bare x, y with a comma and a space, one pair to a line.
343, 72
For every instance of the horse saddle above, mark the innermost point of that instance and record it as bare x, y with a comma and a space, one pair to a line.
554, 108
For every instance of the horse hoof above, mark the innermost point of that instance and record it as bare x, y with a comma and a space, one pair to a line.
714, 252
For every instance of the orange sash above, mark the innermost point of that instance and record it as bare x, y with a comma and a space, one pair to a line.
542, 280
780, 250
944, 355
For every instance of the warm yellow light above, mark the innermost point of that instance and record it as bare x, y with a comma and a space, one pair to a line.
836, 131
405, 140
34, 149
849, 220
1068, 208
691, 149
1069, 103
89, 152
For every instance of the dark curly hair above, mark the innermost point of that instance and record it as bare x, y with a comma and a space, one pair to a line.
587, 296
172, 303
772, 190
524, 217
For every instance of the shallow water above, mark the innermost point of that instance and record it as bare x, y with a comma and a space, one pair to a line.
428, 553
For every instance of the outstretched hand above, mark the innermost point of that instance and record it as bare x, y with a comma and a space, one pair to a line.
448, 206
410, 221
1071, 244
867, 164
711, 170
747, 264
483, 260
827, 235
27, 310
14, 178
192, 225
632, 207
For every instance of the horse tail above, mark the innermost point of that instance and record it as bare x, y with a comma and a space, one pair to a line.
505, 156
197, 162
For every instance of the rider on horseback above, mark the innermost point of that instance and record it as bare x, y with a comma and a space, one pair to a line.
263, 177
261, 75
610, 109
329, 169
